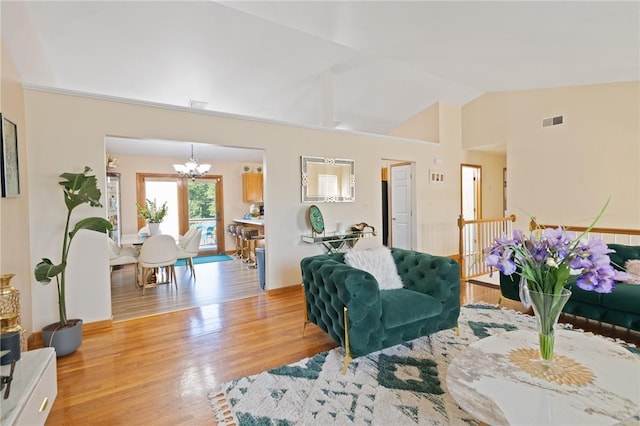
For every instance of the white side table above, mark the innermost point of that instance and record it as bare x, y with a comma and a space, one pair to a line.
33, 389
487, 384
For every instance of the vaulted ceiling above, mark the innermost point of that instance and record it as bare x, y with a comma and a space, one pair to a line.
364, 66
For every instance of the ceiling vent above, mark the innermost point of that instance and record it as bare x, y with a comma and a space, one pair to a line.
553, 121
197, 104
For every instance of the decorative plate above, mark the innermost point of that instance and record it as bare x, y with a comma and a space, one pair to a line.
316, 219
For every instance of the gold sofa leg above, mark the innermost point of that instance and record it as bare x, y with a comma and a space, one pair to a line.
305, 313
347, 356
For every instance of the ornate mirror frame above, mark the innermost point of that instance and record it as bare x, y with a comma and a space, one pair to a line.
336, 174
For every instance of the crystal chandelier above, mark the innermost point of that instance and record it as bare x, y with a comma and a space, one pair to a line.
192, 168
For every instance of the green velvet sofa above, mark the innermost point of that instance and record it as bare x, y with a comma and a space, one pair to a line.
620, 307
428, 302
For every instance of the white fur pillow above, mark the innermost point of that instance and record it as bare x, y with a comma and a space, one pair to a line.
633, 269
379, 263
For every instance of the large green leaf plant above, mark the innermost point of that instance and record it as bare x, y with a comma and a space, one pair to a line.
79, 189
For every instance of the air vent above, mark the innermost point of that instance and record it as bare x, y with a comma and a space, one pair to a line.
553, 121
197, 104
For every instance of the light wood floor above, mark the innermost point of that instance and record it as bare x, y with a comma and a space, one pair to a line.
159, 369
215, 282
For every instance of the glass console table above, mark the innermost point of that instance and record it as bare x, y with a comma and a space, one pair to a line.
336, 243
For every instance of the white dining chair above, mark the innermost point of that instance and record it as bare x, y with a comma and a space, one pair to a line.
119, 256
189, 247
158, 253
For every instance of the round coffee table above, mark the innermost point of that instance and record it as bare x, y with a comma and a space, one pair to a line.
500, 380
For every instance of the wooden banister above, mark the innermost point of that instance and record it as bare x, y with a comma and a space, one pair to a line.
595, 230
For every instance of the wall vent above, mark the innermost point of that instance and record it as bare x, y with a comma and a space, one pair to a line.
553, 121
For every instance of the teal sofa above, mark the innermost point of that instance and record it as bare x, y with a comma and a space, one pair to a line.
620, 307
428, 302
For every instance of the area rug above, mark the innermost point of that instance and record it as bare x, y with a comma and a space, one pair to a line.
205, 259
401, 385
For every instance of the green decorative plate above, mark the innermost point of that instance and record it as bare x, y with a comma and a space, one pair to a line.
316, 220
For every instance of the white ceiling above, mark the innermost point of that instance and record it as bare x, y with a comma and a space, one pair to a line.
364, 66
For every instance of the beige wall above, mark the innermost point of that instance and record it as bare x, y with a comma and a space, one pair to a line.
14, 212
230, 171
66, 132
485, 121
565, 173
443, 122
492, 178
423, 126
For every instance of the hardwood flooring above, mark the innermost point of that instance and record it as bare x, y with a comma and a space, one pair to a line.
158, 370
215, 282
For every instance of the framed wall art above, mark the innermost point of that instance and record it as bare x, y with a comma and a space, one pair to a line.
9, 172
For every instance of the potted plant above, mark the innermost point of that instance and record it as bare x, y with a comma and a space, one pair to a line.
153, 215
79, 188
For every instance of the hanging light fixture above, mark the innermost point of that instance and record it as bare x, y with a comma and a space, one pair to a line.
192, 168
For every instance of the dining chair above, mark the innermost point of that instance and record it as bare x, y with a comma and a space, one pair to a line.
211, 234
189, 247
122, 256
158, 253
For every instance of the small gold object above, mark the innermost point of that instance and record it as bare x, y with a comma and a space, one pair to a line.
562, 369
9, 305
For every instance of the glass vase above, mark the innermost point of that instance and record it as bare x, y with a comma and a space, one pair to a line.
547, 308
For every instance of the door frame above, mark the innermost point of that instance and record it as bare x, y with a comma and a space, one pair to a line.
412, 220
478, 197
183, 203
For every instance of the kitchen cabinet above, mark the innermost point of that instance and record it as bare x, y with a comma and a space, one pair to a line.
252, 187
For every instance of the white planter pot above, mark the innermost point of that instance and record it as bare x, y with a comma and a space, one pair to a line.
154, 229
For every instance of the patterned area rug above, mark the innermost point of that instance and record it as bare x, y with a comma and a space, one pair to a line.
401, 385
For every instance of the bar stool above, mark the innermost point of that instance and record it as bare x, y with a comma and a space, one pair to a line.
254, 244
249, 236
239, 242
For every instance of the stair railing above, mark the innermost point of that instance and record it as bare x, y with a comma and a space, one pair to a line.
474, 237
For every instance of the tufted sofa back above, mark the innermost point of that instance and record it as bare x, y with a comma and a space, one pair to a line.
330, 285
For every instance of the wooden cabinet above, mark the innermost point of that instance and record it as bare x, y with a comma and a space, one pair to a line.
252, 187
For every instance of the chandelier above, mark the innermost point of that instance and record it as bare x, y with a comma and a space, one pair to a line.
192, 168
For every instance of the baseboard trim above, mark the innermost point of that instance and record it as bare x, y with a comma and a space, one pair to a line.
35, 340
284, 290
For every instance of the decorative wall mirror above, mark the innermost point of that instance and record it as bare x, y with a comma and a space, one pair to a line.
328, 180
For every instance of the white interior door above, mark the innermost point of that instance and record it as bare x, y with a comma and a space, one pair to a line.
470, 208
470, 192
401, 202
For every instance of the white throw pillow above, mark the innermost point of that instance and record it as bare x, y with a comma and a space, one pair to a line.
379, 263
368, 243
633, 269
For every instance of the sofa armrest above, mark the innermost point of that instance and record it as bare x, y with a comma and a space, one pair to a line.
623, 253
331, 285
437, 276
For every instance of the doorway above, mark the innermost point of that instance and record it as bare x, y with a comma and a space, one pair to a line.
191, 203
471, 191
471, 204
401, 206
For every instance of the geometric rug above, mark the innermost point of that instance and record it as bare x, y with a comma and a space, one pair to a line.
401, 385
205, 259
